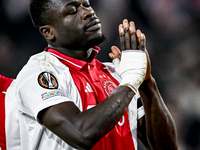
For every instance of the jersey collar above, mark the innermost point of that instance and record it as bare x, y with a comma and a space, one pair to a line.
72, 62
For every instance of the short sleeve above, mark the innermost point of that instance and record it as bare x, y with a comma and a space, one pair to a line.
37, 93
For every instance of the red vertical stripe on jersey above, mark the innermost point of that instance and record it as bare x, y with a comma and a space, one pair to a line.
4, 84
102, 84
2, 122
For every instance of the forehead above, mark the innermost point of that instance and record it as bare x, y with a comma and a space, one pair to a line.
67, 1
63, 3
58, 6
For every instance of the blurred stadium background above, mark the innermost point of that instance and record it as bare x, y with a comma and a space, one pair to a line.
172, 29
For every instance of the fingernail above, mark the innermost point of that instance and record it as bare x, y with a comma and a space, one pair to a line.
112, 56
125, 25
132, 26
131, 29
125, 20
142, 36
121, 31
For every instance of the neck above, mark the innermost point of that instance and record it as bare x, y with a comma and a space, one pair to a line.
85, 55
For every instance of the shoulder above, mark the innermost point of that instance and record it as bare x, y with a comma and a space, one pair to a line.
38, 64
43, 72
44, 60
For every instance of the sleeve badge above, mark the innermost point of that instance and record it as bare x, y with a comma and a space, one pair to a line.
47, 80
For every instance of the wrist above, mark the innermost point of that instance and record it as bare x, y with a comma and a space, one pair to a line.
132, 80
148, 83
130, 86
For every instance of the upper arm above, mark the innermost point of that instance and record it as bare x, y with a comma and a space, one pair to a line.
62, 120
53, 116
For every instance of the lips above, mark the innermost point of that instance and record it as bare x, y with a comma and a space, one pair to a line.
93, 25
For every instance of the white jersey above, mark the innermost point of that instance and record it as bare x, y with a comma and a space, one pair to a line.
43, 82
9, 123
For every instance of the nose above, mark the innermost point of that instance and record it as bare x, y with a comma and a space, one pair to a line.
88, 13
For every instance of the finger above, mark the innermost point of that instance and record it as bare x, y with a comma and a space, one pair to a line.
126, 34
121, 36
115, 52
111, 56
142, 45
132, 34
115, 56
138, 36
115, 60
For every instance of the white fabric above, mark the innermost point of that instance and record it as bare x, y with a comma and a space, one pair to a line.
11, 121
34, 135
132, 67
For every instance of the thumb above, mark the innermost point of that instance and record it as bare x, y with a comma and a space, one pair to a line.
116, 52
115, 56
115, 60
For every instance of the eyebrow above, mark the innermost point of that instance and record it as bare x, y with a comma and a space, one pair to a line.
71, 2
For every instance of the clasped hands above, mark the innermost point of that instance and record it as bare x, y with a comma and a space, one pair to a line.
132, 63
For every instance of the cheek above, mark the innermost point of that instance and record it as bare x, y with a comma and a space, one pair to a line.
80, 26
71, 34
67, 20
73, 25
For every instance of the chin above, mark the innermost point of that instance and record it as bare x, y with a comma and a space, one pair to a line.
96, 41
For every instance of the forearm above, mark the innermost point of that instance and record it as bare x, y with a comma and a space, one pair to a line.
83, 129
161, 130
102, 118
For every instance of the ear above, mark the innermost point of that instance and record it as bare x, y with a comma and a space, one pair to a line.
47, 32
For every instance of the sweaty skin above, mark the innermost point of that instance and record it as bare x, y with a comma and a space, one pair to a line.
70, 34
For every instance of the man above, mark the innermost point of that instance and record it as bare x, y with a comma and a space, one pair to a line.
69, 100
9, 123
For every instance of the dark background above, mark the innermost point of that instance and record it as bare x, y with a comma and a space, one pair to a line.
172, 29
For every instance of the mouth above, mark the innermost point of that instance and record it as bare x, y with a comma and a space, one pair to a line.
93, 25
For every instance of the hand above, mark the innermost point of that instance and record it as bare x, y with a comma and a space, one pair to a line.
130, 39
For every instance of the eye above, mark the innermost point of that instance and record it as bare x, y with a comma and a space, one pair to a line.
86, 4
73, 10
